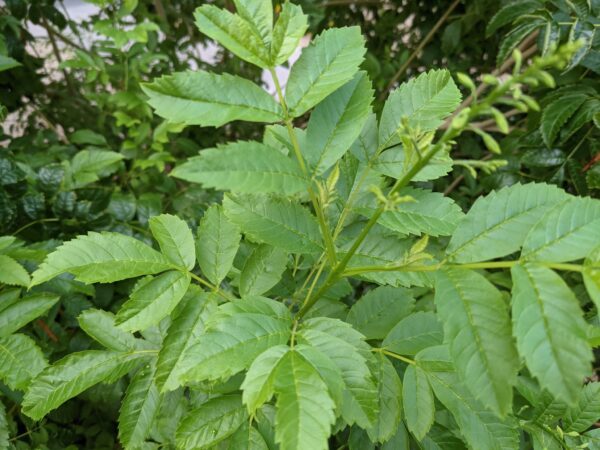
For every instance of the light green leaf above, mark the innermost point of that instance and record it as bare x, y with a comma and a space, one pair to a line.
153, 300
4, 434
8, 297
138, 409
207, 99
477, 327
289, 29
556, 114
20, 361
262, 270
379, 310
100, 326
419, 406
425, 101
258, 386
414, 333
329, 62
211, 423
246, 438
245, 166
510, 12
591, 275
234, 33
6, 63
278, 222
587, 411
101, 258
217, 243
389, 387
12, 273
88, 166
336, 123
395, 164
24, 311
305, 411
497, 224
259, 14
175, 239
72, 375
184, 331
566, 232
365, 146
550, 330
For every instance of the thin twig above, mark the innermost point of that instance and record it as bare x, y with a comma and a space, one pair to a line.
46, 329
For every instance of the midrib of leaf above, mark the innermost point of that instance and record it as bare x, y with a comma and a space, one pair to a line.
260, 172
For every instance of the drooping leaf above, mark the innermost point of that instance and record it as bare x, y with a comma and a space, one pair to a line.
175, 239
289, 29
153, 300
278, 222
550, 331
259, 384
12, 273
20, 360
74, 374
414, 333
211, 423
207, 99
336, 122
24, 311
101, 258
329, 62
262, 270
100, 326
217, 243
248, 167
587, 410
419, 406
477, 328
556, 114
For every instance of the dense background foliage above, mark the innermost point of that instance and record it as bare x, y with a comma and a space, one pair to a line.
83, 151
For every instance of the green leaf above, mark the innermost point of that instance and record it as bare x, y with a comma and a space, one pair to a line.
336, 123
329, 62
246, 438
101, 258
583, 32
414, 333
217, 244
394, 163
72, 375
389, 388
88, 166
278, 222
175, 239
432, 213
587, 411
556, 114
419, 406
497, 224
138, 409
211, 423
305, 411
245, 166
234, 33
515, 36
207, 99
4, 434
24, 311
565, 233
259, 383
366, 144
289, 29
550, 330
259, 14
20, 361
262, 270
12, 273
6, 63
477, 327
153, 300
591, 275
378, 311
100, 326
509, 13
8, 297
424, 101
184, 330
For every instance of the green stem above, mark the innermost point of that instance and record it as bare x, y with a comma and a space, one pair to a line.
211, 286
395, 356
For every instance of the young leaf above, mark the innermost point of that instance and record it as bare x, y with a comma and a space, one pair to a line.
278, 222
184, 330
587, 410
217, 243
74, 374
212, 422
207, 99
248, 167
138, 409
290, 28
258, 386
262, 270
100, 326
414, 333
389, 388
152, 301
419, 406
497, 224
556, 114
101, 258
566, 232
175, 239
12, 273
336, 122
329, 62
378, 311
24, 311
259, 14
20, 361
425, 101
477, 328
305, 411
550, 330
